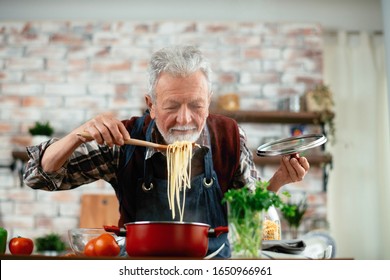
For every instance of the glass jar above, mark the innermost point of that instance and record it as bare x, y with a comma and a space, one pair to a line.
271, 225
245, 232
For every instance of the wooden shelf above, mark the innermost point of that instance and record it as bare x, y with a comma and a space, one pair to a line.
271, 116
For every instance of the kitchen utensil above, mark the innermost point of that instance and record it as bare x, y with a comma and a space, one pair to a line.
216, 252
137, 142
132, 141
173, 239
291, 145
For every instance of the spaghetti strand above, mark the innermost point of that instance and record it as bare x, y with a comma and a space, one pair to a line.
179, 175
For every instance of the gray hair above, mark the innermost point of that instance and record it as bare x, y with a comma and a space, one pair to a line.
177, 61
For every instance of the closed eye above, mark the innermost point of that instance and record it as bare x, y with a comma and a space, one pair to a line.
171, 106
197, 105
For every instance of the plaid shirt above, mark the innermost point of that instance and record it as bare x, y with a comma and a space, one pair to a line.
91, 162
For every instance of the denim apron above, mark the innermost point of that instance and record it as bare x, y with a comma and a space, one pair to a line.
202, 201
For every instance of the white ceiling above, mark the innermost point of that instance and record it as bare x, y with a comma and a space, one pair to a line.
332, 14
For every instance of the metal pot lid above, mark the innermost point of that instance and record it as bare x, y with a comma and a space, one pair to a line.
291, 145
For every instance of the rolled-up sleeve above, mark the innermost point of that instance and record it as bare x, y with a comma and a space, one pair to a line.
88, 163
34, 176
246, 174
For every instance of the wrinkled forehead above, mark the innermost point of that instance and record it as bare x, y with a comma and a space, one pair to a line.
193, 84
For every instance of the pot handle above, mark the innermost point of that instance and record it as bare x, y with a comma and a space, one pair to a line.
116, 230
215, 232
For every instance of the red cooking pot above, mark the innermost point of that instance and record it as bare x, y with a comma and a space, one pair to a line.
174, 239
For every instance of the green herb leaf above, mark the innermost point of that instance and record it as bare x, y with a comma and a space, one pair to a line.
243, 200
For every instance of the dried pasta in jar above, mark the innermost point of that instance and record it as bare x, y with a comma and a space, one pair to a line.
271, 230
271, 225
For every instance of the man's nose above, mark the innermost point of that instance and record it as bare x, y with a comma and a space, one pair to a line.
184, 116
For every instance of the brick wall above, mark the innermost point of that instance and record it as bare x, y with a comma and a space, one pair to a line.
67, 72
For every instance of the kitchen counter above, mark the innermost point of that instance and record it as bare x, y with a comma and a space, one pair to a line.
264, 255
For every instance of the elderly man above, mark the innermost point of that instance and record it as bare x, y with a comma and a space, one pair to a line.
178, 110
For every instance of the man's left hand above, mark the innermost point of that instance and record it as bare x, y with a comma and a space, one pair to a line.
293, 168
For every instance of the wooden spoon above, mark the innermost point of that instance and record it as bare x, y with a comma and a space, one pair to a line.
132, 141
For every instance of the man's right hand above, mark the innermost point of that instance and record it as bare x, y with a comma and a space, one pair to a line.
105, 129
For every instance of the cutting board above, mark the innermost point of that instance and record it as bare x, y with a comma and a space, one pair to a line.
98, 210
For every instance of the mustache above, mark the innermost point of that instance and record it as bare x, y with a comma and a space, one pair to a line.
181, 133
182, 128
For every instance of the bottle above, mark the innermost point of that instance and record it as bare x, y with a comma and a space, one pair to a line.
271, 225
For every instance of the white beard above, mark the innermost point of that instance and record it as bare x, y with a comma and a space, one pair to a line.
170, 137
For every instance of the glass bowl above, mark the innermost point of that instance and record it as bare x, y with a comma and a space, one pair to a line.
79, 237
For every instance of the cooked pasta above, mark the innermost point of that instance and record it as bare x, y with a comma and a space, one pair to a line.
179, 175
271, 230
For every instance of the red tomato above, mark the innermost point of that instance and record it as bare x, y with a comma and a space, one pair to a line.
21, 246
104, 245
107, 246
89, 249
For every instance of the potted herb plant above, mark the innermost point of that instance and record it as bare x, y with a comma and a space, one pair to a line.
41, 131
50, 244
294, 221
245, 215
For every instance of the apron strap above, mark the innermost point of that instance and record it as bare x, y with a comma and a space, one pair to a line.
135, 133
129, 151
208, 180
148, 173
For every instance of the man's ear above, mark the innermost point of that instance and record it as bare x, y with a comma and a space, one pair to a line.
150, 105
